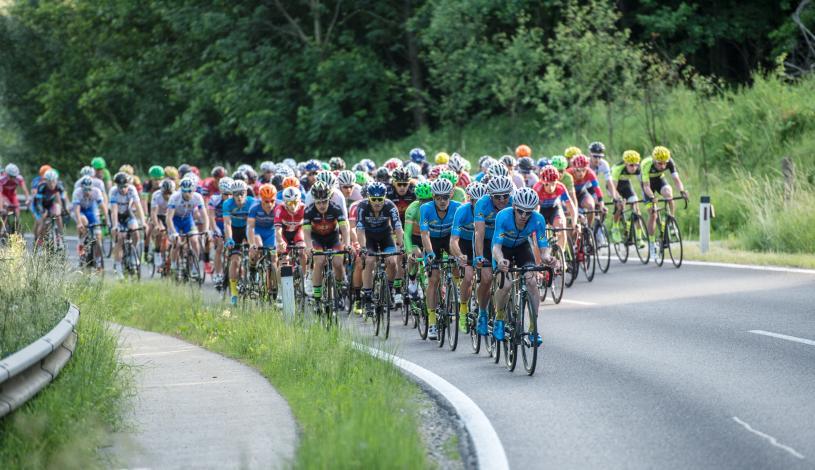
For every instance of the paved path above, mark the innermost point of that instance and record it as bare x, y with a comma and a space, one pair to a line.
197, 409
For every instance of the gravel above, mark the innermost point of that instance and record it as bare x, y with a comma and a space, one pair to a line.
447, 442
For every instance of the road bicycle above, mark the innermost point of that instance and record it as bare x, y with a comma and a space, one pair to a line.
555, 281
381, 294
472, 312
329, 303
415, 303
667, 235
265, 281
521, 325
91, 255
584, 249
632, 233
447, 303
164, 248
107, 235
602, 244
131, 254
52, 240
9, 225
189, 266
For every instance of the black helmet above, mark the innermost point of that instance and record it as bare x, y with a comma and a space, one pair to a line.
320, 191
400, 175
183, 170
218, 172
382, 175
597, 147
239, 175
336, 163
277, 182
526, 164
120, 179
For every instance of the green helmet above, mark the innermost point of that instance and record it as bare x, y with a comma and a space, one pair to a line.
423, 190
560, 162
156, 172
449, 176
325, 166
467, 166
361, 177
98, 163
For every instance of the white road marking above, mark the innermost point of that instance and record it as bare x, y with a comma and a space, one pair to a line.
488, 448
751, 266
578, 302
786, 337
773, 441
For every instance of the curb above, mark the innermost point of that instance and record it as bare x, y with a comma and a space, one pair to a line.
750, 266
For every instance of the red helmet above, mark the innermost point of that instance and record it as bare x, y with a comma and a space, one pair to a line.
549, 174
580, 161
267, 192
436, 171
195, 170
393, 164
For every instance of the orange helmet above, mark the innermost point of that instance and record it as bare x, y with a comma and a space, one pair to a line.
523, 151
43, 170
291, 182
267, 192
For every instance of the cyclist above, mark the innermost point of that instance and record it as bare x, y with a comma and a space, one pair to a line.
325, 227
499, 195
655, 167
526, 168
356, 276
509, 162
158, 219
260, 229
215, 208
624, 176
152, 184
123, 199
561, 163
412, 235
441, 158
461, 244
267, 172
484, 164
419, 157
235, 211
514, 226
553, 196
585, 183
86, 200
288, 220
184, 207
459, 194
310, 174
347, 181
9, 182
401, 192
599, 165
336, 164
209, 186
336, 196
48, 200
377, 221
101, 172
571, 152
456, 165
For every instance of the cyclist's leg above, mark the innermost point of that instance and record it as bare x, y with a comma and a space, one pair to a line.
318, 264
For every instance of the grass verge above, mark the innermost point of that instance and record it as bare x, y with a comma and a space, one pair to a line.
65, 424
354, 411
729, 252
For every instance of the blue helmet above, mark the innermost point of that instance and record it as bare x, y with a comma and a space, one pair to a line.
417, 155
542, 162
313, 165
377, 189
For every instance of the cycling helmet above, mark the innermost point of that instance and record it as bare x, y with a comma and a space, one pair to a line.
483, 159
476, 190
523, 151
244, 167
51, 175
12, 170
328, 178
392, 164
290, 182
436, 171
291, 195
120, 179
86, 182
289, 162
183, 170
193, 177
218, 172
239, 186
499, 185
449, 176
346, 178
251, 176
580, 161
336, 163
597, 148
324, 166
377, 189
224, 185
283, 170
194, 170
456, 163
239, 175
526, 165
313, 165
417, 155
382, 175
156, 172
560, 162
43, 170
357, 167
98, 163
467, 165
413, 169
550, 174
186, 185
571, 152
368, 164
267, 192
526, 199
441, 158
631, 157
361, 178
508, 160
498, 170
400, 175
277, 181
320, 191
542, 162
441, 186
661, 154
423, 190
171, 172
267, 167
301, 167
87, 171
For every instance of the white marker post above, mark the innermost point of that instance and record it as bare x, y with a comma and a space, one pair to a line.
287, 292
705, 214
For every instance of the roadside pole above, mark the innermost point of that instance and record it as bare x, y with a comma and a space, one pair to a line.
287, 292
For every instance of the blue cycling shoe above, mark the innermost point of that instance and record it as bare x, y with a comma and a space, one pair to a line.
234, 300
535, 339
498, 331
482, 324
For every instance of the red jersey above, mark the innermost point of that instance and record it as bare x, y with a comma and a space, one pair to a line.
208, 187
291, 222
9, 186
463, 180
588, 182
553, 199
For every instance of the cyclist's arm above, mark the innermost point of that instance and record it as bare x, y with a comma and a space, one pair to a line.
140, 213
250, 230
407, 235
205, 217
478, 238
227, 225
154, 217
426, 245
114, 214
344, 232
454, 248
169, 219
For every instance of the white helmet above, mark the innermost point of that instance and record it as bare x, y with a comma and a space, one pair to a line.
291, 194
414, 170
498, 170
456, 163
289, 162
86, 171
499, 185
225, 185
346, 178
476, 190
245, 168
283, 170
328, 178
51, 175
192, 177
526, 199
238, 186
441, 186
266, 167
12, 170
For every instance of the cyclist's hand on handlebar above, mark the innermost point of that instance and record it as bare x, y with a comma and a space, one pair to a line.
307, 251
684, 194
503, 265
429, 257
230, 243
283, 247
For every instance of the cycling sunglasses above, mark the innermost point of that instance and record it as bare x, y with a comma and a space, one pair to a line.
401, 184
500, 196
377, 199
441, 197
321, 201
238, 193
350, 186
523, 213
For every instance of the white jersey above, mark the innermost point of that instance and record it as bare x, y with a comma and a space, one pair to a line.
124, 201
184, 208
356, 193
602, 169
90, 200
530, 179
158, 203
337, 198
97, 183
517, 180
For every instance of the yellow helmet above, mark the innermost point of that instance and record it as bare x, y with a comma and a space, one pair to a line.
661, 154
442, 158
171, 172
571, 152
631, 157
126, 169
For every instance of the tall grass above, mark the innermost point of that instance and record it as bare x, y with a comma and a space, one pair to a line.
354, 411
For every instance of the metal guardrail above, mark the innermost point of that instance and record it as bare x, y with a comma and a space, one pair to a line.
29, 370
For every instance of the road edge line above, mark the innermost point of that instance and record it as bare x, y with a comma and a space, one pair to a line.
750, 266
487, 445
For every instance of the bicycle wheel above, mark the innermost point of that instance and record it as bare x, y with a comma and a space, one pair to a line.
492, 344
441, 315
659, 239
639, 235
621, 247
558, 277
107, 242
377, 304
420, 311
299, 294
571, 268
329, 313
387, 301
195, 272
511, 332
529, 349
602, 247
452, 316
589, 254
674, 237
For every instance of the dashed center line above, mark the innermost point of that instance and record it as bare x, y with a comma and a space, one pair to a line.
773, 441
786, 337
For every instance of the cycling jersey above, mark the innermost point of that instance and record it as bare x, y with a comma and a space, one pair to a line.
567, 180
402, 202
87, 201
620, 174
648, 168
9, 188
463, 180
353, 210
46, 196
517, 180
289, 221
185, 208
510, 235
263, 219
463, 226
485, 211
602, 169
158, 203
237, 214
431, 222
124, 201
336, 198
208, 187
588, 182
530, 179
553, 199
459, 195
370, 222
97, 183
325, 223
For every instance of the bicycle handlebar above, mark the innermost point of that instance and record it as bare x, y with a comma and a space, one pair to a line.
384, 254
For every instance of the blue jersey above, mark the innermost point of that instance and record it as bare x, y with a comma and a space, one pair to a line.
263, 220
485, 211
463, 222
238, 214
508, 234
430, 221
